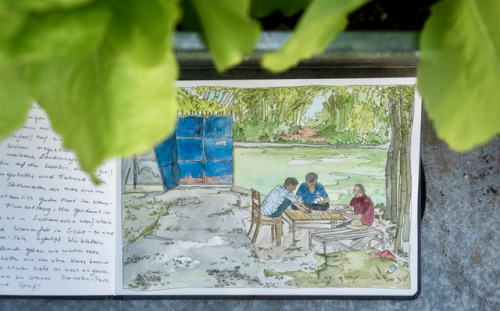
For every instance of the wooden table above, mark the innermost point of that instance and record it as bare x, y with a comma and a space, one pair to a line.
341, 239
298, 216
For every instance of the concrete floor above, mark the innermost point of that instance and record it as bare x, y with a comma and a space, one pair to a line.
202, 242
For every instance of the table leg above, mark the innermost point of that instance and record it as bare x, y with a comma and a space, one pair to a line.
293, 246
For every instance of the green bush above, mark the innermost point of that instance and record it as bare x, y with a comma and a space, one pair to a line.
256, 130
334, 137
349, 137
375, 139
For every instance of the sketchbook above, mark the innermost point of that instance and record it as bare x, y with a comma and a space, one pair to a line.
266, 188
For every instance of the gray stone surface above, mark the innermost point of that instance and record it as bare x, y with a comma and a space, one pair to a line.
459, 247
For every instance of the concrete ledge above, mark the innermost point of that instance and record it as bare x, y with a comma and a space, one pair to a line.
369, 49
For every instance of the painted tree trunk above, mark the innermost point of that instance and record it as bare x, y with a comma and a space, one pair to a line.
395, 166
332, 103
402, 202
409, 121
346, 110
340, 115
388, 185
403, 226
405, 192
392, 164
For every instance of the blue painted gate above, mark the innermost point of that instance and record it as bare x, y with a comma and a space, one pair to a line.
166, 154
202, 148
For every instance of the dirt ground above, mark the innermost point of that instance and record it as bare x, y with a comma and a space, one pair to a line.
197, 237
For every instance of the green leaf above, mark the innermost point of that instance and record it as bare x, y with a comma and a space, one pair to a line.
11, 21
263, 8
15, 14
140, 28
41, 5
459, 71
319, 25
109, 102
229, 31
15, 101
59, 34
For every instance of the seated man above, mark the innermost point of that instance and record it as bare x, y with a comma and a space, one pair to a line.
362, 206
281, 198
313, 194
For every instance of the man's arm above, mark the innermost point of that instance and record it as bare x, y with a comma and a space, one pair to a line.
302, 207
351, 216
296, 202
323, 193
348, 208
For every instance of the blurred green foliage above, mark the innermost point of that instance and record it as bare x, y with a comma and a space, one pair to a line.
105, 70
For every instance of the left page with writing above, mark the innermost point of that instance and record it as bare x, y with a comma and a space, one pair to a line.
57, 229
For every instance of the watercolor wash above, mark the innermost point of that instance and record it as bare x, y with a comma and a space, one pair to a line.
186, 206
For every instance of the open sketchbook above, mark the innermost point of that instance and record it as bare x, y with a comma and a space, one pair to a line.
198, 214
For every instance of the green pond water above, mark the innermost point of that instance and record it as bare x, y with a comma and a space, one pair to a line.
338, 169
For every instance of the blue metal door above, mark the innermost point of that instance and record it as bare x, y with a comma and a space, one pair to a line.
189, 134
218, 150
166, 154
203, 151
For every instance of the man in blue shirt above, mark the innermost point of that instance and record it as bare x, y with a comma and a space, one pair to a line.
313, 194
278, 200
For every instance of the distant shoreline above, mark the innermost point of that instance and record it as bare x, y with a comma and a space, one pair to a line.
281, 145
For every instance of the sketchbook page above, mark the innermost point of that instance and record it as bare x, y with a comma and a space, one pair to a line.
57, 229
198, 235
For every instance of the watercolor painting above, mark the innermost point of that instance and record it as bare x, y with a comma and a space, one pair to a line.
200, 211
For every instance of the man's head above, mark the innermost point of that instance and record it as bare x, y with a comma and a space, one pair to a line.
291, 183
311, 179
359, 190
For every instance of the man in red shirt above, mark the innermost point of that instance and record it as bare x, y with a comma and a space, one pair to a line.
362, 206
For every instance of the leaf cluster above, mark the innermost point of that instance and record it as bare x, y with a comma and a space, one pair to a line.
105, 70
